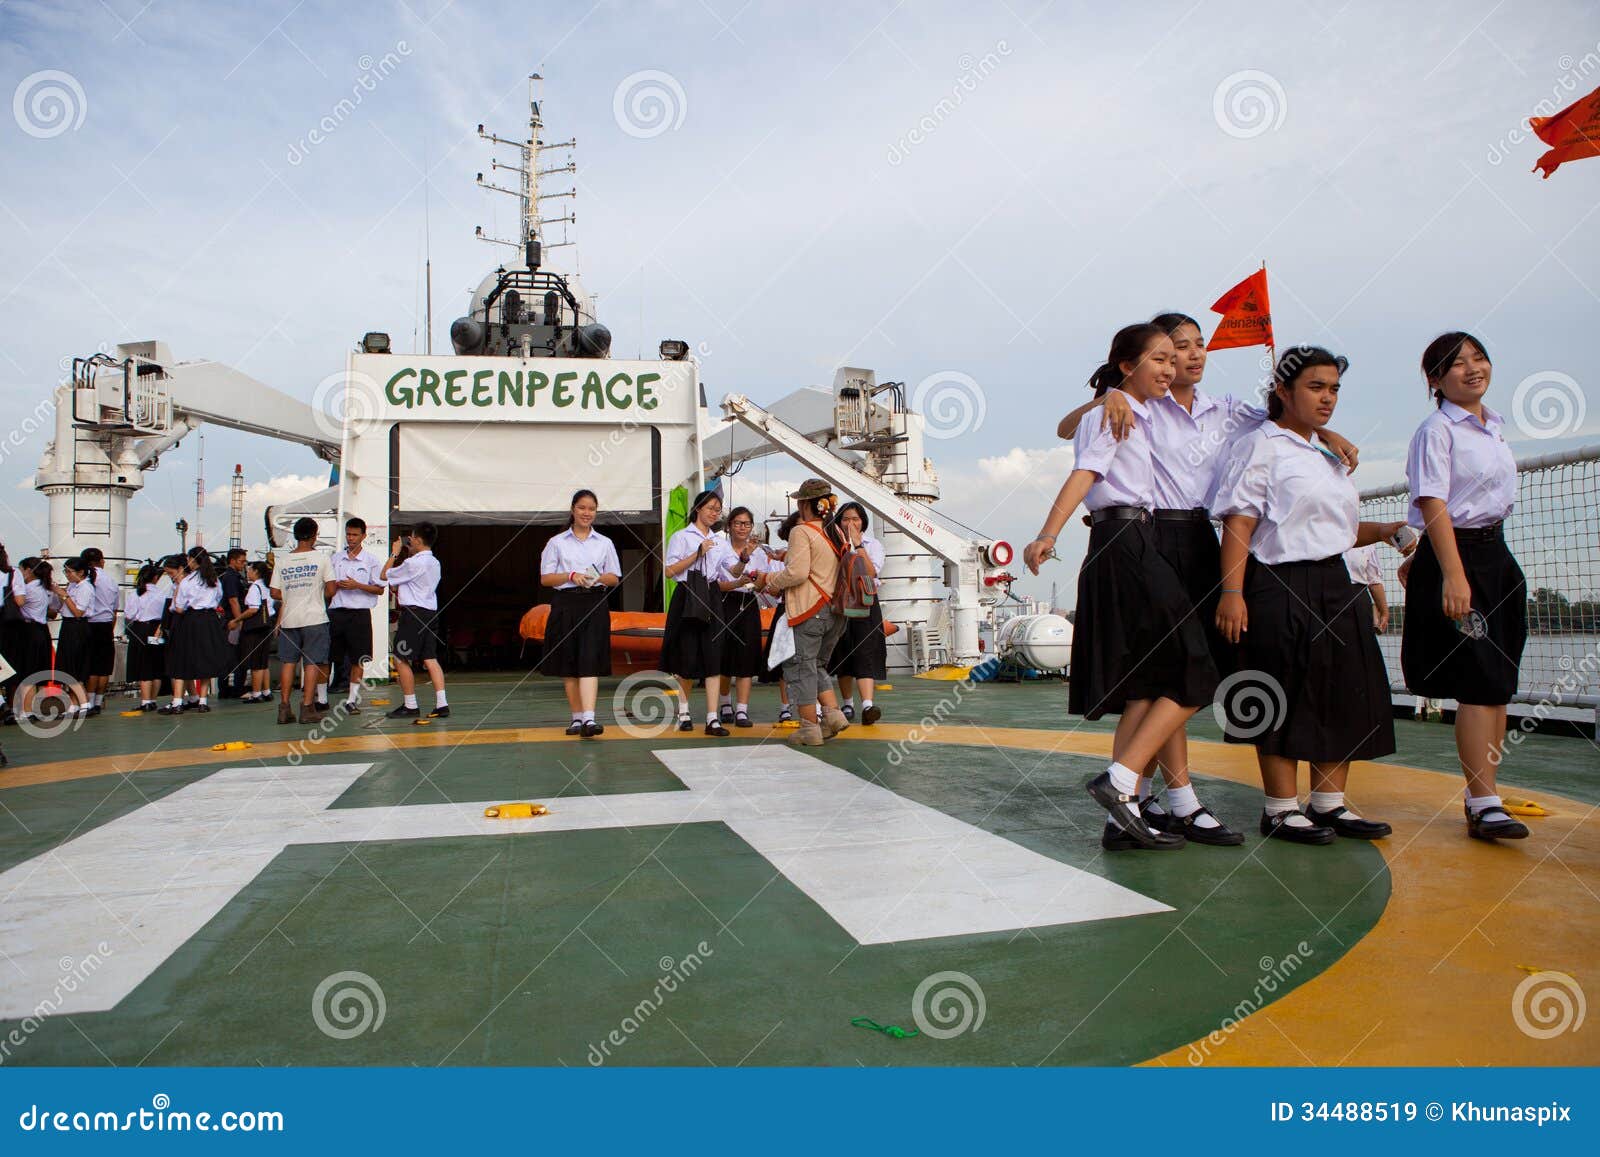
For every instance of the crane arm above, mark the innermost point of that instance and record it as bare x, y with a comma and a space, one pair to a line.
911, 518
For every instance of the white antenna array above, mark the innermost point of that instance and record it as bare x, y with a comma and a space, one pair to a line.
527, 192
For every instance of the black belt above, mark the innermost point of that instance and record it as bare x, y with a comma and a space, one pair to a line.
1119, 513
1494, 533
1192, 514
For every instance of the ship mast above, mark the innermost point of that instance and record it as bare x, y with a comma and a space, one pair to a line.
527, 191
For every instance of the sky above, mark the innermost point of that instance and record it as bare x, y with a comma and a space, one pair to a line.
967, 197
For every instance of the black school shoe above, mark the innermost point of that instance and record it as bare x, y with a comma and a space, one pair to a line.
575, 727
440, 712
725, 712
1221, 836
1124, 813
870, 715
1507, 829
1114, 839
1349, 825
170, 709
849, 711
741, 719
685, 723
1274, 828
590, 729
716, 728
404, 712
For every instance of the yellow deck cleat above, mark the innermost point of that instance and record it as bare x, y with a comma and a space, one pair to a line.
232, 745
1523, 807
515, 811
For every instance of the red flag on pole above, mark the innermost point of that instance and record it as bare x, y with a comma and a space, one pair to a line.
1573, 133
1246, 314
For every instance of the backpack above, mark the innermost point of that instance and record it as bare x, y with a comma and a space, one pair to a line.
858, 587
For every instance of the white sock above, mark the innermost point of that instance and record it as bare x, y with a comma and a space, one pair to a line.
97, 699
577, 716
411, 701
1185, 802
177, 702
1277, 807
1147, 800
202, 701
1124, 779
865, 703
142, 702
727, 700
1483, 805
439, 700
784, 705
711, 717
586, 717
684, 717
743, 708
322, 694
1328, 802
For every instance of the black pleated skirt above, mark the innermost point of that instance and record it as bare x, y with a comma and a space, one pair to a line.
691, 649
1477, 661
862, 652
743, 652
577, 636
198, 645
74, 649
1135, 635
32, 647
145, 661
257, 649
1310, 683
1191, 546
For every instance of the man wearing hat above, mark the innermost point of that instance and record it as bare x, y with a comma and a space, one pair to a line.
807, 583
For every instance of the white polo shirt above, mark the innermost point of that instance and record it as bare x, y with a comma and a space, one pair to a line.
566, 553
1305, 503
1123, 472
1464, 461
416, 581
363, 568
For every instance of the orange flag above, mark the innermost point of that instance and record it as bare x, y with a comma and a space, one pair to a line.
1573, 133
1246, 314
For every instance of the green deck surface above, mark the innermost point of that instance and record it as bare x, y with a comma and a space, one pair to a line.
532, 949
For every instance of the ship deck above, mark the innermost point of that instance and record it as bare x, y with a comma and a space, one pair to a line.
692, 901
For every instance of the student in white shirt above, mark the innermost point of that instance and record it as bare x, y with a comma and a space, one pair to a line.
415, 580
1191, 432
37, 600
141, 619
102, 629
861, 656
1466, 601
355, 596
691, 648
1138, 651
304, 583
1311, 684
74, 645
738, 563
197, 641
256, 632
579, 565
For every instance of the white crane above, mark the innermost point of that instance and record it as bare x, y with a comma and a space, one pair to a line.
974, 568
118, 415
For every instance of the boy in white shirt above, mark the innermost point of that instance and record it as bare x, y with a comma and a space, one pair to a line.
416, 587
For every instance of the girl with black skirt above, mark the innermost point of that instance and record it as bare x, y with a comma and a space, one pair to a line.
256, 632
12, 581
197, 645
1466, 602
1311, 684
743, 655
691, 648
37, 601
75, 645
141, 621
861, 656
1137, 650
581, 564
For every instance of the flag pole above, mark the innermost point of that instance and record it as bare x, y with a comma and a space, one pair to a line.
1272, 349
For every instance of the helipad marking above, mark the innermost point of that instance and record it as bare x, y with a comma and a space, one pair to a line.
131, 892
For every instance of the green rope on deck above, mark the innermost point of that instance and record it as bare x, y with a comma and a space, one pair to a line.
893, 1030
